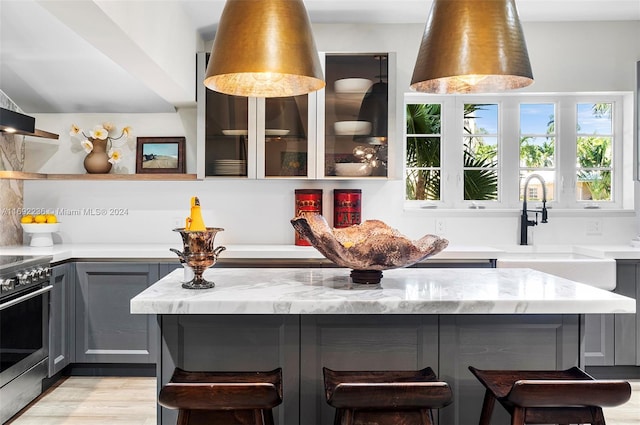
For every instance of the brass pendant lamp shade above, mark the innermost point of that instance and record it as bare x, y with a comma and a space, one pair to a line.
472, 46
264, 48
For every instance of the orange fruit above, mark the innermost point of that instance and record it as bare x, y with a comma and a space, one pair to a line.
51, 218
40, 218
27, 219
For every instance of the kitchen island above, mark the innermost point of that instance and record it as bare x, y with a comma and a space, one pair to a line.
304, 319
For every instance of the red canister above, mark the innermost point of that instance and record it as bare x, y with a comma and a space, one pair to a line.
346, 207
308, 201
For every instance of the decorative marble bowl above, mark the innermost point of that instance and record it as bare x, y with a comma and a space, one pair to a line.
367, 248
40, 233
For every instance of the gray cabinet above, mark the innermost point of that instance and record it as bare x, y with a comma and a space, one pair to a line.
627, 340
612, 339
61, 318
106, 332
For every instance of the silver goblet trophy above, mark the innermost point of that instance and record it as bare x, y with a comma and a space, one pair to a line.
199, 254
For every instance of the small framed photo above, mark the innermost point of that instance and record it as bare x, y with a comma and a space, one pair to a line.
160, 155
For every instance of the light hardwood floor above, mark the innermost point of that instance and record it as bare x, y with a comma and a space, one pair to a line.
132, 401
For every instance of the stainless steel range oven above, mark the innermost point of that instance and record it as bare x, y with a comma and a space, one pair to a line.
24, 330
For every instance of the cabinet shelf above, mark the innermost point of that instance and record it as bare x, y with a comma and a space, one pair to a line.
20, 175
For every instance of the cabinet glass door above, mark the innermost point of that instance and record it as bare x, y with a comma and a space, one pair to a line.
286, 137
356, 115
226, 135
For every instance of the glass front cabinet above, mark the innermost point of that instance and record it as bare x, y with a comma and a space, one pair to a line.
340, 132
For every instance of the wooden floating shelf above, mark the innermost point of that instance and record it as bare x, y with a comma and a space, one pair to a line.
20, 175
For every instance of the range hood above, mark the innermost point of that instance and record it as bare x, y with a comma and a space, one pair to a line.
17, 123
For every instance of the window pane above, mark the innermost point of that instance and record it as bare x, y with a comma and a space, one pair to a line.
480, 185
483, 149
594, 118
423, 185
424, 119
481, 118
537, 152
537, 118
593, 185
423, 152
535, 189
594, 152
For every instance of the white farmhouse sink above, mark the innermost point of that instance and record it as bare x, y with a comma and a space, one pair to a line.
598, 272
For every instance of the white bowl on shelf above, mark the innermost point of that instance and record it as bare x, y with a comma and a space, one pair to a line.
40, 233
235, 132
352, 128
353, 169
352, 85
276, 132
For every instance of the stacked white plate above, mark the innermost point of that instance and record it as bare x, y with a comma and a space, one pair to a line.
230, 167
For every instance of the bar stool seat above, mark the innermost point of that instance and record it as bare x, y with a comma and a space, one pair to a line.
229, 398
385, 397
549, 397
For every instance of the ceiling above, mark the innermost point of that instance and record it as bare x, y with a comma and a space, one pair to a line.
68, 56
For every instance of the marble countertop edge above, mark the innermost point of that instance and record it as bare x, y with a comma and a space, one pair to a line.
403, 291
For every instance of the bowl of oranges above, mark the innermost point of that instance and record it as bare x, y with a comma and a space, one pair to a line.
40, 227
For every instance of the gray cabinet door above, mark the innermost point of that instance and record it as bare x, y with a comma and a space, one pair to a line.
546, 342
599, 342
627, 341
360, 342
106, 332
61, 318
234, 343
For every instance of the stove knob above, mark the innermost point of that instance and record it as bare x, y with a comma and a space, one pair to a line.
40, 273
21, 279
47, 271
30, 276
6, 285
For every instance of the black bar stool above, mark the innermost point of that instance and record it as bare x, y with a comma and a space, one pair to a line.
385, 397
224, 398
550, 397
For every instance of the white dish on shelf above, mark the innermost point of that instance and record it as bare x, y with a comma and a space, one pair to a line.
352, 128
235, 132
353, 169
40, 233
276, 132
352, 85
230, 167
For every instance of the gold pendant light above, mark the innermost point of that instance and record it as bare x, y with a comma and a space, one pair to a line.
264, 48
472, 46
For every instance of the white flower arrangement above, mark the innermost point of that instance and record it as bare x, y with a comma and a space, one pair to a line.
105, 131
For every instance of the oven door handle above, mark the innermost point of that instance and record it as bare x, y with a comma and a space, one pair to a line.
26, 297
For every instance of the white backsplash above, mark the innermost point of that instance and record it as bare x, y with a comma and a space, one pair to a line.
258, 212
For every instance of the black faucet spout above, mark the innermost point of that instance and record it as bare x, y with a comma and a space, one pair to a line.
525, 223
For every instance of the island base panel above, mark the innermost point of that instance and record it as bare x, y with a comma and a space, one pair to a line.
303, 344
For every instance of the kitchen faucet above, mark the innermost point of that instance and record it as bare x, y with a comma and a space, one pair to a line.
525, 223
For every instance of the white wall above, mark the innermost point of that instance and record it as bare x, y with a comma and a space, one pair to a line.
565, 57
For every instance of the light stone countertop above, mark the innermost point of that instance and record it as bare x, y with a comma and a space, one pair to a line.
65, 252
404, 291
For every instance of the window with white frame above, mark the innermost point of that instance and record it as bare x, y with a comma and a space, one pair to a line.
466, 151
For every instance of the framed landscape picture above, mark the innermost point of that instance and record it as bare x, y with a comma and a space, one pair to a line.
160, 155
